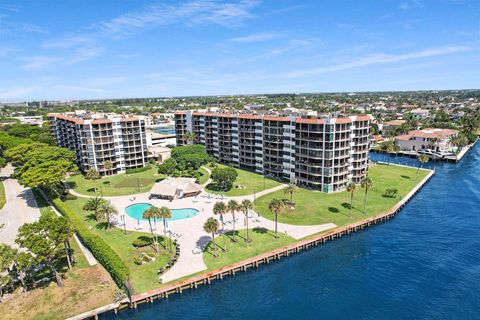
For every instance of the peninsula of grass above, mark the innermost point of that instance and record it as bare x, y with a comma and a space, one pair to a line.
246, 183
262, 241
204, 175
117, 185
85, 288
313, 207
3, 198
143, 277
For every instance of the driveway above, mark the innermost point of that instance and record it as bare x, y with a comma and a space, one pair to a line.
20, 208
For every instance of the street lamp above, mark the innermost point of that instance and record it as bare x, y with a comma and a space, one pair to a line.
124, 224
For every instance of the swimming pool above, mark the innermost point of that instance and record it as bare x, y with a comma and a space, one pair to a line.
136, 211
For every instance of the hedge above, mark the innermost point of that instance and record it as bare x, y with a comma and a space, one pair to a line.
100, 249
137, 170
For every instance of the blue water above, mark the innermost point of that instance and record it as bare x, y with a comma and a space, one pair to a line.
136, 211
165, 130
423, 264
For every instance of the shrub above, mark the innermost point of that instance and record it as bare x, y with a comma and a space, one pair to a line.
100, 249
224, 177
137, 260
137, 170
142, 242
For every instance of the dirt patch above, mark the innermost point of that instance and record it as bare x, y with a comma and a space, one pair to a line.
85, 289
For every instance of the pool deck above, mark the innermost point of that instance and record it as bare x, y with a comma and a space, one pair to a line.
190, 231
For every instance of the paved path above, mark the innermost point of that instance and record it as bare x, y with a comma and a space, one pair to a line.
189, 232
20, 208
86, 253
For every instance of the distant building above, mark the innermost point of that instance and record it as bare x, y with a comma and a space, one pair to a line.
420, 114
97, 138
320, 153
31, 120
432, 139
391, 125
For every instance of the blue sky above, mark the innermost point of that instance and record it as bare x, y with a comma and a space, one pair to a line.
81, 49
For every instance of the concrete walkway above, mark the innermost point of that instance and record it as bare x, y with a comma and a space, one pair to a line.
20, 208
86, 253
189, 232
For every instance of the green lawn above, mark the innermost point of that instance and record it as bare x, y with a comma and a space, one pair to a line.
144, 277
263, 240
3, 198
204, 176
42, 204
312, 207
117, 185
248, 181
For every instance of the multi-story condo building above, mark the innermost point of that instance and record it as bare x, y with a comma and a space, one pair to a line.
97, 138
319, 153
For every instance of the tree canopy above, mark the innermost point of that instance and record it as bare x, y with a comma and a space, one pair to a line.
224, 177
40, 164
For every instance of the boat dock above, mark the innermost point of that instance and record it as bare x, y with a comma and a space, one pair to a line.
217, 275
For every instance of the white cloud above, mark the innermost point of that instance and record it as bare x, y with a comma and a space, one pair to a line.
376, 59
38, 62
16, 93
257, 37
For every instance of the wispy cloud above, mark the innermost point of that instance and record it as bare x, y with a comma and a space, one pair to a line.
377, 59
411, 4
38, 62
89, 42
16, 93
257, 37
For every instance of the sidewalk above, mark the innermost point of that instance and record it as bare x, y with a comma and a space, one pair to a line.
20, 208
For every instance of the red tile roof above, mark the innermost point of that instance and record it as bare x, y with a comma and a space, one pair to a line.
428, 133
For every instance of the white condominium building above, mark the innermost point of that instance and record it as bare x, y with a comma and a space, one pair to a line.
320, 153
98, 138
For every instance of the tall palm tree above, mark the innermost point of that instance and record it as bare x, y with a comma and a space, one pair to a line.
148, 214
276, 206
211, 226
108, 165
351, 187
190, 136
396, 149
93, 174
422, 159
105, 211
165, 213
154, 212
94, 204
220, 209
367, 184
246, 206
233, 206
290, 189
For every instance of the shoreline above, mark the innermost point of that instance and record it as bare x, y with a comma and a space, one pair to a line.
265, 258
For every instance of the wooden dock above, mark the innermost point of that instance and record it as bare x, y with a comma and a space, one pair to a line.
253, 263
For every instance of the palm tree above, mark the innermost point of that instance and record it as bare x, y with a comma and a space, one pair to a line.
105, 211
154, 212
93, 174
108, 165
165, 213
246, 206
94, 204
220, 208
148, 214
233, 206
291, 189
211, 226
351, 187
367, 184
396, 149
422, 159
190, 136
276, 206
